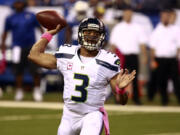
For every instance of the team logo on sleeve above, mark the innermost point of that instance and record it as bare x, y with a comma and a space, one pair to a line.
69, 66
117, 62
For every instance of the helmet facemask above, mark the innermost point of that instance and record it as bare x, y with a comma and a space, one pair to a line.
91, 41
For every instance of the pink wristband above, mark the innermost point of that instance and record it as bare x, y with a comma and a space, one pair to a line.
47, 36
120, 91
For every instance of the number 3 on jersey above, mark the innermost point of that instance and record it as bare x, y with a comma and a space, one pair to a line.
81, 88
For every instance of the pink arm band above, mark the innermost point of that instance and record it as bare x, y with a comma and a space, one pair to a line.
47, 36
120, 91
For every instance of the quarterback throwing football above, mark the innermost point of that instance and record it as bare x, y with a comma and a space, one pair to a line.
87, 70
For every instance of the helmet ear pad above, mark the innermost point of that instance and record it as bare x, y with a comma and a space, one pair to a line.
91, 24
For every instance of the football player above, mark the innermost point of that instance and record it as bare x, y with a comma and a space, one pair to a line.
87, 70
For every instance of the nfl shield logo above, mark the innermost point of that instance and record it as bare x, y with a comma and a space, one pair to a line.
69, 66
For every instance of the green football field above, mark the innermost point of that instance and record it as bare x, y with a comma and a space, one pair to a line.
33, 121
31, 118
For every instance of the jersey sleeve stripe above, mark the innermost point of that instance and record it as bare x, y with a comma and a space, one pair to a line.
64, 55
107, 65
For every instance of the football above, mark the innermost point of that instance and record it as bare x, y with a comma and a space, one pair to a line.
50, 19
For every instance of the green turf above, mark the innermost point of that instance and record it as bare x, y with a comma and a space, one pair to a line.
57, 97
49, 96
45, 122
35, 125
142, 124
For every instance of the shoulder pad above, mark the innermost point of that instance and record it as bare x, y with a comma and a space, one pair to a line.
66, 51
109, 57
67, 48
108, 60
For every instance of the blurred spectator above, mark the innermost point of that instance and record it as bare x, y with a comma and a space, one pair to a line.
113, 12
78, 13
59, 2
99, 12
137, 4
119, 4
129, 39
152, 83
45, 2
164, 45
92, 5
2, 69
178, 3
68, 6
31, 3
22, 24
152, 5
7, 2
172, 19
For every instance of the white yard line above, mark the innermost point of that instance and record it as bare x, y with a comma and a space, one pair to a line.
46, 116
118, 108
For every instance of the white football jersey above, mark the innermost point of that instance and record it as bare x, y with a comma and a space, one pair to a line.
85, 83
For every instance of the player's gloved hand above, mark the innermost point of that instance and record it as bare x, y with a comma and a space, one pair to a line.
55, 31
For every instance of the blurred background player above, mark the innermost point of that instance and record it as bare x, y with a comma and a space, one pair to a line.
129, 38
99, 12
173, 22
22, 24
76, 15
165, 49
153, 84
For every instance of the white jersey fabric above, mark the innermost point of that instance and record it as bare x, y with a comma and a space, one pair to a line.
85, 83
128, 37
165, 40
